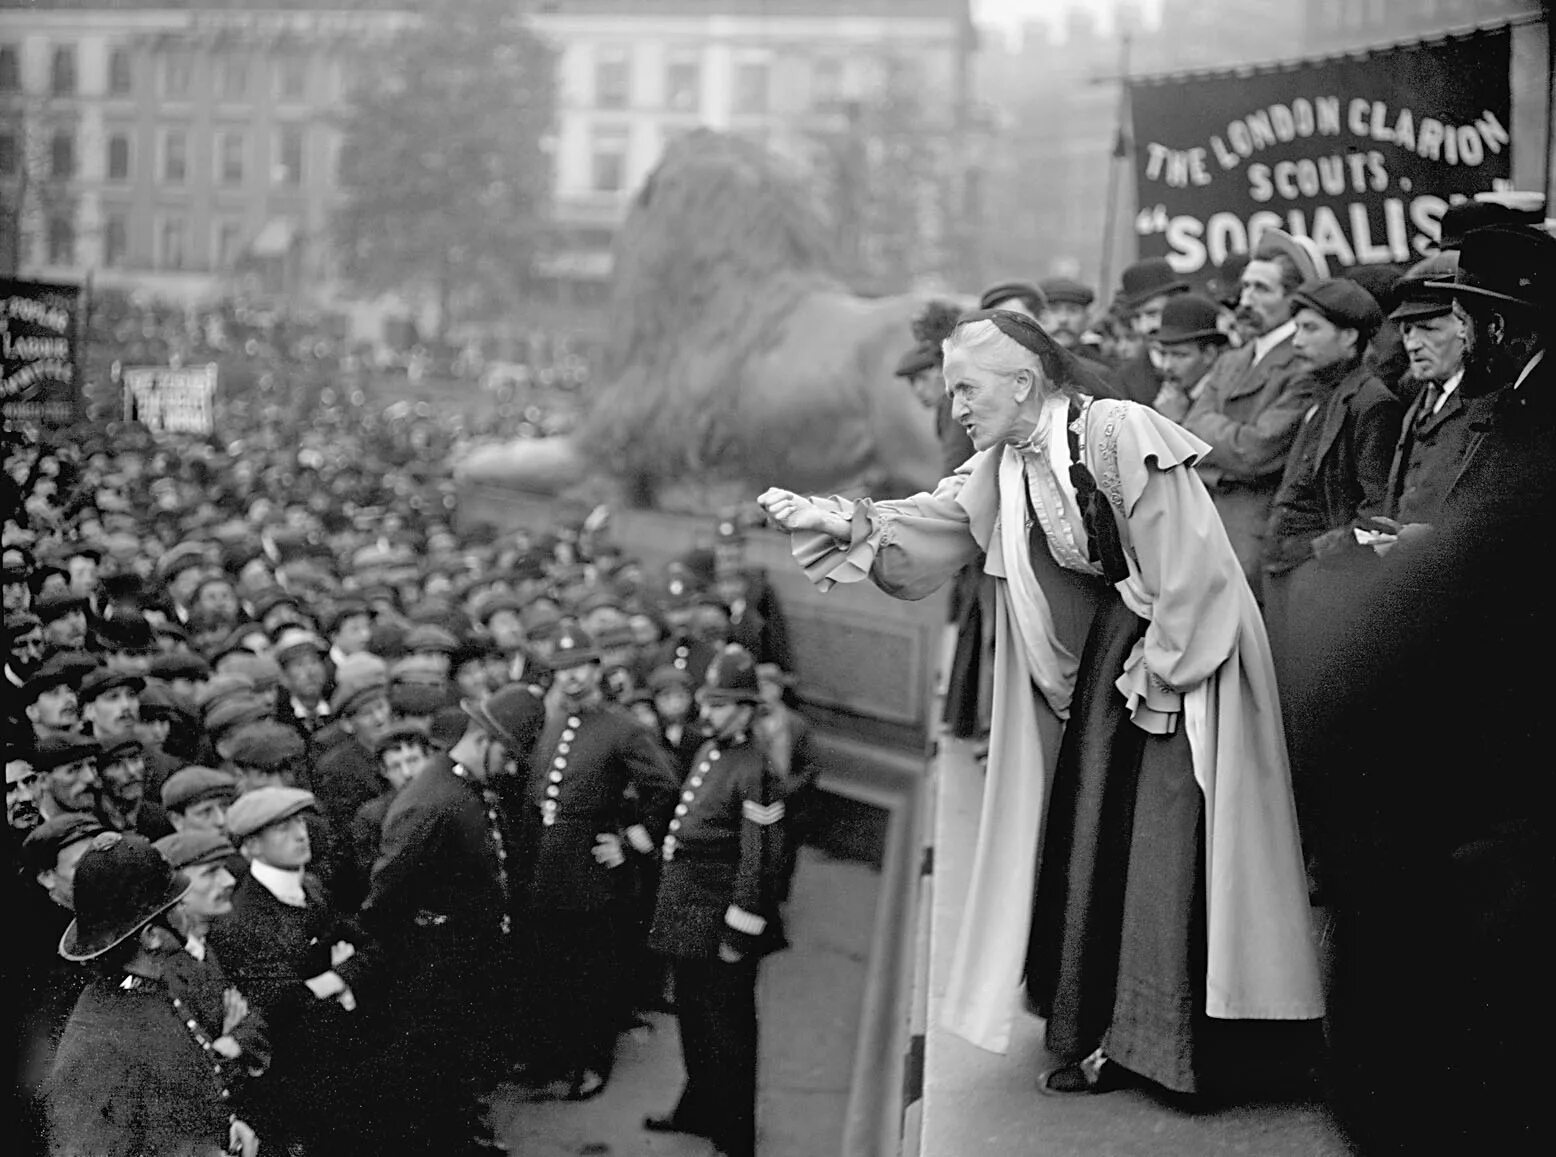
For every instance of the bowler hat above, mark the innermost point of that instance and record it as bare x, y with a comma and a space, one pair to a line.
513, 715
124, 628
1148, 278
1189, 317
1342, 303
1485, 209
52, 674
731, 677
1510, 264
121, 885
256, 810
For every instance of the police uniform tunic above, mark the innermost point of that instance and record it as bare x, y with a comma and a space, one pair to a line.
722, 868
575, 912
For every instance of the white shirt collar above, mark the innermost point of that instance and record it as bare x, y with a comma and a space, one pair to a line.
1264, 343
284, 884
1448, 387
1523, 376
302, 712
195, 946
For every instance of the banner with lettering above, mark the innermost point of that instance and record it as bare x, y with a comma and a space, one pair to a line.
181, 401
1360, 153
39, 330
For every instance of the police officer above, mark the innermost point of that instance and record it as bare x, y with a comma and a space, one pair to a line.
717, 913
575, 898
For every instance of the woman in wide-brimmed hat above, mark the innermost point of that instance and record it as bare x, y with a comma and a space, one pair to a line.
136, 1070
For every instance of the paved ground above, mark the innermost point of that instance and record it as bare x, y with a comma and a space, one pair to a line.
810, 999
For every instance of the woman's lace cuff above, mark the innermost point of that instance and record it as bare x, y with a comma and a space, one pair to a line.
826, 561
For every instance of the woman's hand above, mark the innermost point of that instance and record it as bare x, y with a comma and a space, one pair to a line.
792, 512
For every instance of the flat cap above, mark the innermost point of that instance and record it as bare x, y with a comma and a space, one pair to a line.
122, 749
1342, 302
236, 710
104, 680
419, 669
223, 686
184, 556
352, 693
46, 678
669, 675
1066, 291
295, 640
179, 665
45, 842
256, 810
61, 750
403, 732
191, 785
917, 360
48, 608
1030, 295
191, 848
1415, 301
430, 637
267, 744
261, 670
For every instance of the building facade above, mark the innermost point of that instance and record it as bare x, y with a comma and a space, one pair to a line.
184, 147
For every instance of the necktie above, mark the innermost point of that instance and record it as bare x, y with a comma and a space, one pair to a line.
1429, 403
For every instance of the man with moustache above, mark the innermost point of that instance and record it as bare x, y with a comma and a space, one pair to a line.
574, 894
122, 803
1067, 318
1190, 341
441, 891
64, 620
1255, 399
21, 805
110, 704
48, 699
67, 766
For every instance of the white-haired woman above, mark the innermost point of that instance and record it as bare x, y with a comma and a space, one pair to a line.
1136, 725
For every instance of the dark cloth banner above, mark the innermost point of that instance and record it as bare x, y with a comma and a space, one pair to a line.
39, 329
1361, 154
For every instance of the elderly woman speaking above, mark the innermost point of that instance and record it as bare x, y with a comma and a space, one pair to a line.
1135, 725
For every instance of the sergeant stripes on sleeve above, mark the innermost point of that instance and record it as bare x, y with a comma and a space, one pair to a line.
764, 815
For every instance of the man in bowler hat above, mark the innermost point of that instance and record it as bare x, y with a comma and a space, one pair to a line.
1190, 341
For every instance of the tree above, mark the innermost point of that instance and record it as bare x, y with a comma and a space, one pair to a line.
446, 181
884, 164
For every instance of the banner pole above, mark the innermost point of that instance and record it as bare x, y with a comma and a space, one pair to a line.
1116, 159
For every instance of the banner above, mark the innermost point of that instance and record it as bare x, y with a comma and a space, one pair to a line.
176, 401
1361, 154
39, 329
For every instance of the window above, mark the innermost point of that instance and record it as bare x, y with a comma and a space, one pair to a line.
612, 79
62, 155
119, 157
170, 244
10, 68
751, 88
116, 239
175, 157
288, 168
121, 72
62, 241
683, 85
230, 157
826, 83
177, 74
8, 154
609, 159
291, 77
62, 71
229, 243
232, 78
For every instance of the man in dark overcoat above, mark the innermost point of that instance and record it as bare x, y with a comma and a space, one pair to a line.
440, 893
717, 912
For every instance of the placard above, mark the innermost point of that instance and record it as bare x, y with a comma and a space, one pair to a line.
39, 352
171, 400
1360, 153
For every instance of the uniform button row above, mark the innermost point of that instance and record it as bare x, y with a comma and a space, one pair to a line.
553, 791
563, 748
555, 777
559, 763
680, 809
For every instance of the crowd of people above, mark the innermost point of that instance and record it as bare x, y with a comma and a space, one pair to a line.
1245, 582
328, 816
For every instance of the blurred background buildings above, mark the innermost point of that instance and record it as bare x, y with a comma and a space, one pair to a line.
191, 149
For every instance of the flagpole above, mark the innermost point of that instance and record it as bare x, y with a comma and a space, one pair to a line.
1116, 159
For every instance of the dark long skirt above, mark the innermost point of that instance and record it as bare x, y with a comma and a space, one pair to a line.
1117, 954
